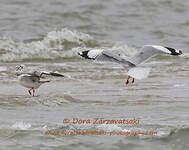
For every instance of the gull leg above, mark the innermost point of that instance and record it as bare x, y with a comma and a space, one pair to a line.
33, 91
30, 91
133, 80
127, 82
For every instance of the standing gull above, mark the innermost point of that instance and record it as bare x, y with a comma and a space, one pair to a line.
32, 80
133, 63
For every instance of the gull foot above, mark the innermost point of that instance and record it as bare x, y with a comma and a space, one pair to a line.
133, 80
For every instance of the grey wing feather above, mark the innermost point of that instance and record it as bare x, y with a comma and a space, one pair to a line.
145, 53
39, 74
108, 56
51, 73
27, 73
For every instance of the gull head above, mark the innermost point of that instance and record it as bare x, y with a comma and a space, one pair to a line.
19, 67
173, 51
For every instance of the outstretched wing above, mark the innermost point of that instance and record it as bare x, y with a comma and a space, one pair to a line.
148, 51
101, 55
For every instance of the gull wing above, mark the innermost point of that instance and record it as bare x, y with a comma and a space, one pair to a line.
101, 55
41, 73
26, 74
109, 56
146, 52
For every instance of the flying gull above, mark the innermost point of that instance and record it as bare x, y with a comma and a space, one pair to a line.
32, 80
132, 63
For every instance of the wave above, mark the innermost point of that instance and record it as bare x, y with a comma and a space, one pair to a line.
168, 134
55, 45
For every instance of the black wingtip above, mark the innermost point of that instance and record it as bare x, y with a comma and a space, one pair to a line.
174, 51
84, 54
57, 74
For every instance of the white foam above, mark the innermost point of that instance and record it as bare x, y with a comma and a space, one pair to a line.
57, 44
54, 45
179, 85
186, 55
109, 127
2, 68
21, 125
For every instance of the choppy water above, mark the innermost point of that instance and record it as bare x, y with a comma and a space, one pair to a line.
47, 36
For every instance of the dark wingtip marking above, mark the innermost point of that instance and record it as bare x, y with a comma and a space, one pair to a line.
173, 51
169, 48
56, 74
84, 54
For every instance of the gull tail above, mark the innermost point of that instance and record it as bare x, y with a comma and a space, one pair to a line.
139, 73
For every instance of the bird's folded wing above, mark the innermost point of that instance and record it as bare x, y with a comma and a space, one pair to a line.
25, 74
40, 74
